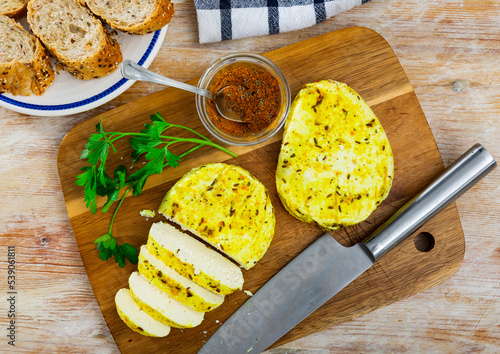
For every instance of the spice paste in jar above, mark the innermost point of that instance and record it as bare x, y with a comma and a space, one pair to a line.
251, 92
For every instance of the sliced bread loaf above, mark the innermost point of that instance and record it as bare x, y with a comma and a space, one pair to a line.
25, 67
175, 285
192, 259
72, 34
161, 306
138, 320
13, 8
133, 16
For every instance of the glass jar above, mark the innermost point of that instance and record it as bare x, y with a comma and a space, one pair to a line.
230, 62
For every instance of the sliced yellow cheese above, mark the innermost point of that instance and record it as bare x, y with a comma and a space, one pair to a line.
175, 285
161, 306
193, 260
138, 320
226, 206
336, 164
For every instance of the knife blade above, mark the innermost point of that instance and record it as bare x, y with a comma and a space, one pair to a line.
326, 267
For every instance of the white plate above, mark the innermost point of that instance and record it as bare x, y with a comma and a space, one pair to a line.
69, 95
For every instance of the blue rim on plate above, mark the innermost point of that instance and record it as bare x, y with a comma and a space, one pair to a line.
68, 106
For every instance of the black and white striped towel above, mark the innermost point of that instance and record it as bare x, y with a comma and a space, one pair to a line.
220, 20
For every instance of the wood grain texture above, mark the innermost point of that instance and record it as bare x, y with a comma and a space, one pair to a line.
374, 72
449, 51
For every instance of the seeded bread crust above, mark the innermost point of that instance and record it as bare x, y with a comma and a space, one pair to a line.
133, 17
75, 37
13, 8
25, 67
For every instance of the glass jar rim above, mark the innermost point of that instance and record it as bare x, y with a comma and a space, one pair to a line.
266, 64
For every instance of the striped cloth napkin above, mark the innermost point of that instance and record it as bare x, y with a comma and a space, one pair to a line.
220, 20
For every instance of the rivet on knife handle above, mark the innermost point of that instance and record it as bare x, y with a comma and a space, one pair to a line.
456, 179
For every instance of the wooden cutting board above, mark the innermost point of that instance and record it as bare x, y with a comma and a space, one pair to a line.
362, 59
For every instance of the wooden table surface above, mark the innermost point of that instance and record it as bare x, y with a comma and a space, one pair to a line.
450, 51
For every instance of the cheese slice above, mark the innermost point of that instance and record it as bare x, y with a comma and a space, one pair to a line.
161, 306
175, 285
138, 320
192, 259
227, 207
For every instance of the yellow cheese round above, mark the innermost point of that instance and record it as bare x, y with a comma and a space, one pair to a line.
335, 164
226, 206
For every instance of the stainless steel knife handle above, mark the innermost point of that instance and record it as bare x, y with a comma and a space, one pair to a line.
455, 180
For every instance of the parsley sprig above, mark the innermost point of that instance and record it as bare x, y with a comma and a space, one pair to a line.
150, 143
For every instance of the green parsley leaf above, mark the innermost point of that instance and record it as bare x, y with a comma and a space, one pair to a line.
141, 145
157, 160
172, 159
111, 188
130, 252
150, 143
108, 247
88, 180
104, 253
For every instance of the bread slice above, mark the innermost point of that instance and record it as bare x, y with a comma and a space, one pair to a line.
13, 8
138, 320
133, 16
161, 306
180, 288
227, 207
71, 33
25, 67
336, 164
192, 259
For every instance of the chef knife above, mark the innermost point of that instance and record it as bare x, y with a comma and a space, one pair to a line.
326, 267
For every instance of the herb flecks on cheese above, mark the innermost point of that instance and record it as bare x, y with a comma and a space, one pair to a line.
336, 164
180, 288
227, 207
135, 318
193, 260
161, 306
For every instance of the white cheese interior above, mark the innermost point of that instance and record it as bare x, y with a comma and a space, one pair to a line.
138, 318
205, 294
192, 251
162, 303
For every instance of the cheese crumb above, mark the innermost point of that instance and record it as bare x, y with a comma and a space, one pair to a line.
249, 293
217, 321
196, 271
147, 213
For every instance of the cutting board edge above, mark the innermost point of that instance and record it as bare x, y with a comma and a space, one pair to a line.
117, 109
367, 311
287, 338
